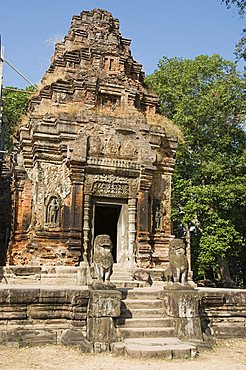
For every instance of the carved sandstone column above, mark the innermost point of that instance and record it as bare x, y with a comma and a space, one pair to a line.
21, 217
86, 229
76, 211
163, 247
143, 222
167, 225
132, 231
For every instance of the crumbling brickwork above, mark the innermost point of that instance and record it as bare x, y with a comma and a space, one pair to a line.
93, 140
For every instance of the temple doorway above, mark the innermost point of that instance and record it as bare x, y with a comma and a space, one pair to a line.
111, 217
106, 220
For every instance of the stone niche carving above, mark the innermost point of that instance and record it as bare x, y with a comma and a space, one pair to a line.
112, 147
129, 150
95, 146
158, 213
52, 211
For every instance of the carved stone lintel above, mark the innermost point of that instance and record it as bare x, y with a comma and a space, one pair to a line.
107, 186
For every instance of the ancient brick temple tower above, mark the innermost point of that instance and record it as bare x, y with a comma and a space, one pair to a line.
94, 158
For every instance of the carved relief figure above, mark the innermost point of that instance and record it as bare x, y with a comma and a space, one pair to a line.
178, 261
103, 261
112, 147
52, 212
95, 146
129, 150
159, 212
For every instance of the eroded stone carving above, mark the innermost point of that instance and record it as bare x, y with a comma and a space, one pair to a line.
178, 261
159, 212
92, 132
52, 212
107, 186
112, 147
129, 150
95, 146
103, 261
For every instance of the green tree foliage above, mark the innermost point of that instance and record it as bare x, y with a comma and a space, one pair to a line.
205, 97
240, 50
14, 106
240, 4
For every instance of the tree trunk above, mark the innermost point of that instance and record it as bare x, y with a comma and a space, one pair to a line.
188, 249
225, 273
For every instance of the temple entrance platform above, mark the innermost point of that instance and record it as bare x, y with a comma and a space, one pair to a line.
138, 321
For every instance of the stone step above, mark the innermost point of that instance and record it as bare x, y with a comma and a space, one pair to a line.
141, 303
141, 293
169, 348
119, 277
128, 284
150, 332
136, 312
143, 323
117, 267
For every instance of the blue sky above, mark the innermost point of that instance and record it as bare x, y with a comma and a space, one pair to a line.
183, 28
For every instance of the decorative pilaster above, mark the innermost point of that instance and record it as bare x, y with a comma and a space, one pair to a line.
166, 203
86, 228
76, 211
143, 227
132, 231
161, 217
22, 203
21, 217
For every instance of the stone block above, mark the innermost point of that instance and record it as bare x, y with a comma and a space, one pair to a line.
13, 312
78, 323
78, 296
24, 270
53, 295
49, 311
78, 315
118, 348
3, 294
183, 306
181, 303
21, 295
101, 330
75, 337
104, 303
32, 336
226, 331
3, 336
188, 328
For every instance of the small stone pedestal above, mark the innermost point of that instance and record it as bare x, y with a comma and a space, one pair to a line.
183, 306
103, 306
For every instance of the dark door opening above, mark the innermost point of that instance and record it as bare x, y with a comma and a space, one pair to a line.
106, 219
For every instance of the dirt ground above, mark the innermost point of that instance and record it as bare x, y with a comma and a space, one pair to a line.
226, 355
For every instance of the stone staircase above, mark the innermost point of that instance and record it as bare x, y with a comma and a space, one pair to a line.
143, 329
122, 278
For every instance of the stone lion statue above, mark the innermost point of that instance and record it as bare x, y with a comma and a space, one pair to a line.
178, 261
103, 260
